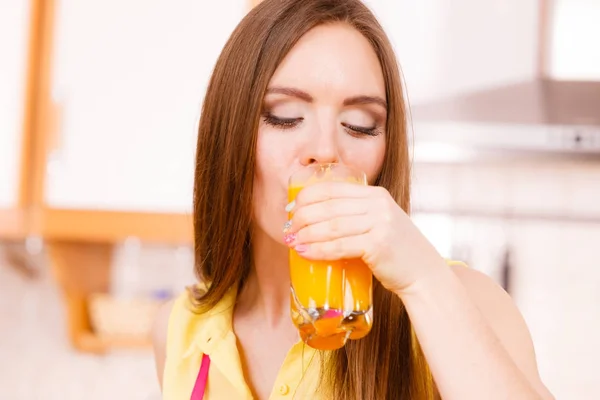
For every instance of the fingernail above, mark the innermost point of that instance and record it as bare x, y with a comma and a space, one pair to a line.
289, 238
290, 206
287, 226
301, 248
333, 314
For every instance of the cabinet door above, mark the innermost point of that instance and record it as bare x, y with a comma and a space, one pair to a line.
448, 47
14, 37
557, 286
555, 282
128, 81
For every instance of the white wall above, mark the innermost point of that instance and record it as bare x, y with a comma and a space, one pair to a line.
448, 47
14, 35
130, 76
575, 45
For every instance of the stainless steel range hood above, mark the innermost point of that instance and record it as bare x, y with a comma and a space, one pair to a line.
546, 116
543, 101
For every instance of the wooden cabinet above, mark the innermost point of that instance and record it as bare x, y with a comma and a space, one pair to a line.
127, 83
128, 79
108, 129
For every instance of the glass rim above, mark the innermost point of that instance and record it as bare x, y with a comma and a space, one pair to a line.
315, 167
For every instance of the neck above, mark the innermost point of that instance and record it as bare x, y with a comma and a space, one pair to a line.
266, 294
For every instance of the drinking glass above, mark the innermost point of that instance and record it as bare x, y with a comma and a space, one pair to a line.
331, 301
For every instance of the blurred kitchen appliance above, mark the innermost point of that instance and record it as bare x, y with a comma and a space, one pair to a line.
554, 115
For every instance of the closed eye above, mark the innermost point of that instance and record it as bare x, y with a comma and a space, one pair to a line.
282, 123
288, 123
354, 129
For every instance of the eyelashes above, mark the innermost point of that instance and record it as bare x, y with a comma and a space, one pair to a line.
374, 131
282, 123
289, 123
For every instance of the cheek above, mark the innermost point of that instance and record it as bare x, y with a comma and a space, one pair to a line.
274, 153
368, 157
266, 202
270, 189
379, 156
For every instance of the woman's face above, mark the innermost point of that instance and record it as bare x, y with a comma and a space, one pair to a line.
325, 103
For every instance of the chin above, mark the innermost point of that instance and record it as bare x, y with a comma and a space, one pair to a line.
277, 237
271, 232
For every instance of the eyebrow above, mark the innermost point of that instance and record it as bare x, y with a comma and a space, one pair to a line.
350, 101
358, 100
291, 92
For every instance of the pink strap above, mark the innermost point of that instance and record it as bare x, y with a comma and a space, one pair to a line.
202, 379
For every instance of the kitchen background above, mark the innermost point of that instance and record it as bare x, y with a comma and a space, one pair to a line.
98, 107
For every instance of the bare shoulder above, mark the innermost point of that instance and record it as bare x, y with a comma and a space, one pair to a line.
159, 337
490, 297
505, 319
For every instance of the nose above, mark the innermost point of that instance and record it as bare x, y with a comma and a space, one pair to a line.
322, 146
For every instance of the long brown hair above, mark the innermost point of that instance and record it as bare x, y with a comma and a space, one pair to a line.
388, 363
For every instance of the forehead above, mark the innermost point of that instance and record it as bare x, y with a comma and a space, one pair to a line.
333, 59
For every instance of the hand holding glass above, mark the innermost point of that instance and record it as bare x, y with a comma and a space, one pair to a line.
331, 301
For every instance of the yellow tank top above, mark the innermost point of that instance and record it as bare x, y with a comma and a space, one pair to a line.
192, 335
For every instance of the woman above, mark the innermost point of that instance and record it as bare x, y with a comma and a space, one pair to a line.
316, 81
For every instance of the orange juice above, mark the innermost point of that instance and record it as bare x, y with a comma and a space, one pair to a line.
331, 301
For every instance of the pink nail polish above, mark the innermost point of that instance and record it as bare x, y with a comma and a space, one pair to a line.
332, 314
289, 238
301, 248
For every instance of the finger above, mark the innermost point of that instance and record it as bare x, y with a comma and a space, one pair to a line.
323, 191
334, 228
342, 248
323, 211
